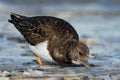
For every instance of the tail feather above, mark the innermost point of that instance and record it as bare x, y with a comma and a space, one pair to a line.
17, 15
10, 21
15, 18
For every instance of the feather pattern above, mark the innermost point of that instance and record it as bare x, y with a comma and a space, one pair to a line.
52, 38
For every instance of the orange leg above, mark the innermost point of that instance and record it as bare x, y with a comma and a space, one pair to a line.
38, 59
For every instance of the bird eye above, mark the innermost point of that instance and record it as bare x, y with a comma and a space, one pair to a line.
80, 53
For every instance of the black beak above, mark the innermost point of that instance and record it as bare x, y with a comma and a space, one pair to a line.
86, 64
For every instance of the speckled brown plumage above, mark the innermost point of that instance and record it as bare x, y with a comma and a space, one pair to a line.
63, 40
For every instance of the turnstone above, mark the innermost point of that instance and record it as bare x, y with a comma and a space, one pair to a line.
52, 39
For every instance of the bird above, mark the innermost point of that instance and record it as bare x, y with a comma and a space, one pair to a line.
52, 39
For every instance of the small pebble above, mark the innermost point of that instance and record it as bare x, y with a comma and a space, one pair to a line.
37, 73
33, 73
5, 73
104, 77
4, 78
90, 41
29, 63
1, 59
1, 35
27, 54
16, 38
25, 73
86, 78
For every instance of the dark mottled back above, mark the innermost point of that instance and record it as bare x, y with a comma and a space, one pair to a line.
40, 28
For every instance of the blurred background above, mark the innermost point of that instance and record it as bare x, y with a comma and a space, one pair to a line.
95, 19
82, 14
68, 7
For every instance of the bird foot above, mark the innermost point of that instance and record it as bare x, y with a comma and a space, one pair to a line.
39, 60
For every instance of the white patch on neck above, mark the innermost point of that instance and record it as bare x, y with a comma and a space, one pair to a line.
42, 51
75, 62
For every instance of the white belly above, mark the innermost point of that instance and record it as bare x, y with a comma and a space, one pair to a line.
42, 51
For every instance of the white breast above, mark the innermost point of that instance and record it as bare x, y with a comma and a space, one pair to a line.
42, 51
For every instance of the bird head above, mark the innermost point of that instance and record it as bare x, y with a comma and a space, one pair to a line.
79, 54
